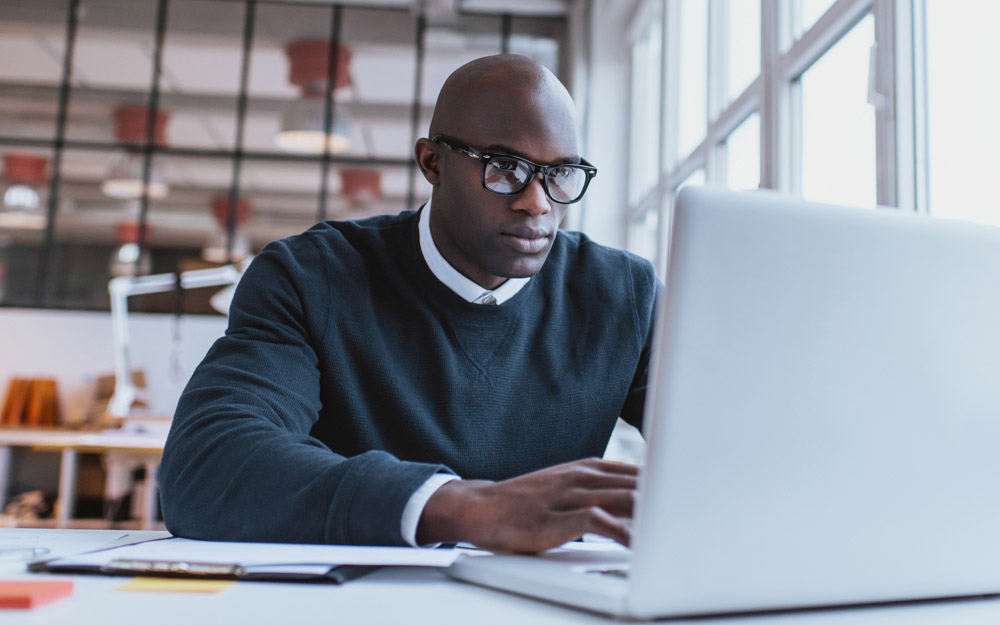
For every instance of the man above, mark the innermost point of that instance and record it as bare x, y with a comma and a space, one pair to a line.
368, 364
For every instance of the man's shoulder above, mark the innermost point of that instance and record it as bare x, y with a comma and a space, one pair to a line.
601, 280
340, 236
577, 252
338, 232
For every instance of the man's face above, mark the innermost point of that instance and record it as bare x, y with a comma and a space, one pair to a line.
488, 237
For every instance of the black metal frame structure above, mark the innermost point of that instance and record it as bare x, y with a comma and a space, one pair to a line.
237, 155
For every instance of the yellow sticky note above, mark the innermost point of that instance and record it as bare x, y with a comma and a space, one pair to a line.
166, 584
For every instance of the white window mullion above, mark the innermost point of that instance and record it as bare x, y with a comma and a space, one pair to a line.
718, 61
664, 205
907, 51
882, 95
828, 30
737, 112
774, 127
718, 57
671, 95
921, 130
684, 169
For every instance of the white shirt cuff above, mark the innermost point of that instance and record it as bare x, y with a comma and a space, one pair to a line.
415, 507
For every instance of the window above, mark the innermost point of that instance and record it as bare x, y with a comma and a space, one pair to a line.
645, 118
691, 100
805, 14
743, 155
794, 95
743, 42
962, 122
838, 124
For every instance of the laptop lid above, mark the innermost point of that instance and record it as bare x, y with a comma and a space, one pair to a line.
824, 414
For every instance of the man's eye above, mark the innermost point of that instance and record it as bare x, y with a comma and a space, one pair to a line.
505, 164
562, 172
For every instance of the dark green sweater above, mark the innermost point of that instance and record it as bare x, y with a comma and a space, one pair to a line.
349, 375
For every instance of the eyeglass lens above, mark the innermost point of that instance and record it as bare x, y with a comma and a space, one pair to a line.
508, 175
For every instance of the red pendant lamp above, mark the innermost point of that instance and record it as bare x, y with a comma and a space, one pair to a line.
303, 124
125, 177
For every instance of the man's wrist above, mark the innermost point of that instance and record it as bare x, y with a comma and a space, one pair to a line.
415, 507
454, 514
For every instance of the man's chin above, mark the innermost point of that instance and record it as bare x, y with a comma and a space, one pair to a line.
524, 267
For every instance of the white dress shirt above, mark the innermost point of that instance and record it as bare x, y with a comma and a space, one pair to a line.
470, 292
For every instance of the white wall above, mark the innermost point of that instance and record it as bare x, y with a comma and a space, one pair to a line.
75, 347
606, 124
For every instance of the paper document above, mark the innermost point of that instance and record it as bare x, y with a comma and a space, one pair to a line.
50, 543
265, 557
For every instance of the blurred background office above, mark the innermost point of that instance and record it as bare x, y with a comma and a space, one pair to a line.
160, 136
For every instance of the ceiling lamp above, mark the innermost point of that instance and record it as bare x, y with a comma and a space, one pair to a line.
24, 181
129, 259
125, 176
361, 187
215, 248
303, 122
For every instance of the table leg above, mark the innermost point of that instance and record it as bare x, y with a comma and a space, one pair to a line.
67, 487
150, 495
4, 474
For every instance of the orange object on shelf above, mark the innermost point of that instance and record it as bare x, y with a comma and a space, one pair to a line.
32, 402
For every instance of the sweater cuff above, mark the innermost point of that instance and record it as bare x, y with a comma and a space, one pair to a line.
415, 507
368, 503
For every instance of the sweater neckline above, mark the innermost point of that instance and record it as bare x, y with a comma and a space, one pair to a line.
440, 297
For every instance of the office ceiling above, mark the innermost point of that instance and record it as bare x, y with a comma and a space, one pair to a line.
200, 82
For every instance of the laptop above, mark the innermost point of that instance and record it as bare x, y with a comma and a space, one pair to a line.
823, 421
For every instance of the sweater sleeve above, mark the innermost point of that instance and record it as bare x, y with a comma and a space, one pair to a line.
239, 463
646, 289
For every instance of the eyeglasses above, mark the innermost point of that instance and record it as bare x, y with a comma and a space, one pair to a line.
504, 174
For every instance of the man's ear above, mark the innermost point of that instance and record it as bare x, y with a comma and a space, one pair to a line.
428, 160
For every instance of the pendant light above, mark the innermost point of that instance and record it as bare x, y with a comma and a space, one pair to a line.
129, 258
215, 247
303, 122
125, 173
23, 192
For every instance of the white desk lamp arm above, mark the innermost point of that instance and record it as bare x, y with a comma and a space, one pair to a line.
121, 289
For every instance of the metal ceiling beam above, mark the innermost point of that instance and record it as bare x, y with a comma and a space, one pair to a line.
45, 97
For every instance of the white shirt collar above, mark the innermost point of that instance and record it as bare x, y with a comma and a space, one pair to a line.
452, 278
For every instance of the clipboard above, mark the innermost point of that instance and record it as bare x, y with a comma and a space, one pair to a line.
185, 558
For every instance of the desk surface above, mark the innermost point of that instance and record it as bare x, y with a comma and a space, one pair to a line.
391, 595
104, 441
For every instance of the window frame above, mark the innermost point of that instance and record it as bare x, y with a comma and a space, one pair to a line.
895, 85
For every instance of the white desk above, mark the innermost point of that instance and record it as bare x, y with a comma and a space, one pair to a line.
119, 447
392, 595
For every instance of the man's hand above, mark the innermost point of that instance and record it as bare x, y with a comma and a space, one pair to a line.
534, 512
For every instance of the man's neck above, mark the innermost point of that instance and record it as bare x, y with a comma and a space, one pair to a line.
444, 271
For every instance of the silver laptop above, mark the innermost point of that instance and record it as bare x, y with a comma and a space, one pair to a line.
823, 424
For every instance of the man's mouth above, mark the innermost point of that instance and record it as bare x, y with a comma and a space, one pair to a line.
528, 241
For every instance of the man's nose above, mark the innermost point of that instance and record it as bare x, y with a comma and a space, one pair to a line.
532, 199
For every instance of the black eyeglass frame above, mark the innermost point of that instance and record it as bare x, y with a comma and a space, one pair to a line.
461, 147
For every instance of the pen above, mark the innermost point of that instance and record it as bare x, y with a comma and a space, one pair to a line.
200, 569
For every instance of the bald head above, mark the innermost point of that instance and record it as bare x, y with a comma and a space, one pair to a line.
498, 94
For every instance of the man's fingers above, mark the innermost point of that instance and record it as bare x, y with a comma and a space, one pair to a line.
581, 477
619, 502
598, 521
610, 466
